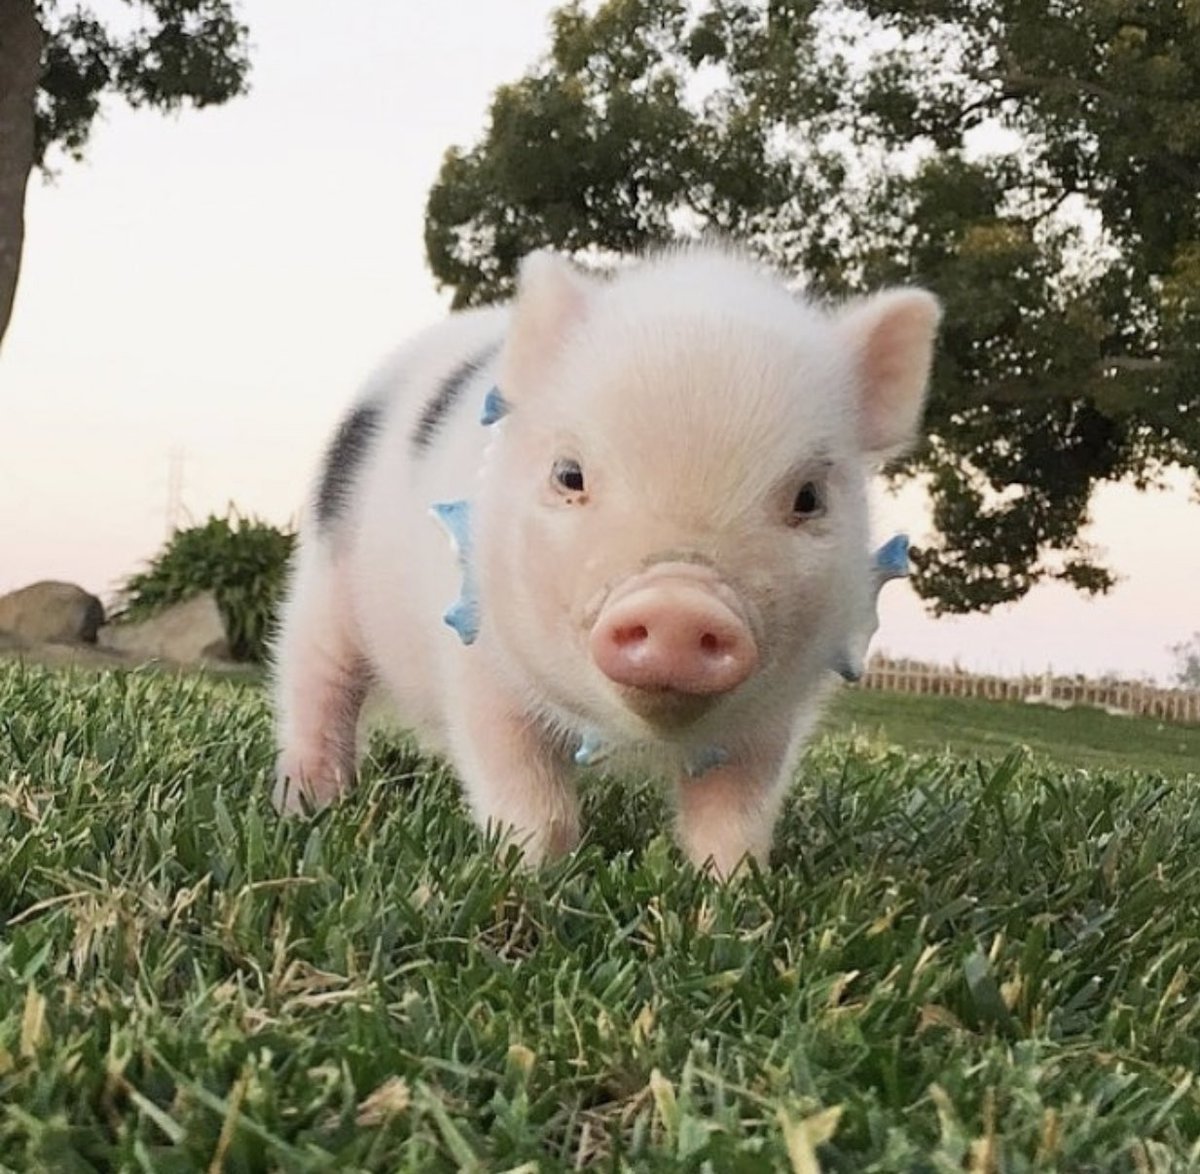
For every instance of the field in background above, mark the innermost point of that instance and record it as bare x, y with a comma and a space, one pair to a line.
956, 962
1073, 737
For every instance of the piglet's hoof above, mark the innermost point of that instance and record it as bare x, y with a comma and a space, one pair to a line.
297, 794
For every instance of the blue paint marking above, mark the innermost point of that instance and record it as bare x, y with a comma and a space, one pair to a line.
495, 407
891, 559
591, 750
889, 562
455, 516
463, 614
848, 669
708, 759
463, 617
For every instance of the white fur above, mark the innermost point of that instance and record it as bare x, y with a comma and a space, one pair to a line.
697, 393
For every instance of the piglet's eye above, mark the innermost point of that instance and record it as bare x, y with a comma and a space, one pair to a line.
568, 475
809, 503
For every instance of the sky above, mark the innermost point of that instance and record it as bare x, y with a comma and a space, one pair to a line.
217, 284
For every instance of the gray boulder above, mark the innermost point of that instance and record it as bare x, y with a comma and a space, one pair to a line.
185, 633
52, 613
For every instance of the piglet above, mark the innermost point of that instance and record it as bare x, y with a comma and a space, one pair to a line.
620, 519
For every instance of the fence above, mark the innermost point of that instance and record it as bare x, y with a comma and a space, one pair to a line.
1120, 697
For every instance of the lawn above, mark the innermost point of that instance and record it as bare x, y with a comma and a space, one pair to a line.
953, 964
1075, 737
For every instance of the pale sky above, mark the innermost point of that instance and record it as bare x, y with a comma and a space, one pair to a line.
220, 282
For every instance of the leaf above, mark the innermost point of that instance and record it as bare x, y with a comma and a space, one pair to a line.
390, 1099
803, 1136
986, 997
33, 1022
665, 1102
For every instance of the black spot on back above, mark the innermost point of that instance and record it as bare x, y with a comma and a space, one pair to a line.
448, 393
344, 459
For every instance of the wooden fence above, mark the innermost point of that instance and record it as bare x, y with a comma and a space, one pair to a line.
1119, 697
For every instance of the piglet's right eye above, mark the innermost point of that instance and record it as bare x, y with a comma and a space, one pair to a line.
567, 474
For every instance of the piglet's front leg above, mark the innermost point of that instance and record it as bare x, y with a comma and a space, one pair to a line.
320, 683
515, 778
727, 815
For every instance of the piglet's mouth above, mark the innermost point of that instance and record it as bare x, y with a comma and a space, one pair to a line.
668, 710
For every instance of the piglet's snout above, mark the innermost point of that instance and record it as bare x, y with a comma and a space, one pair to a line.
675, 635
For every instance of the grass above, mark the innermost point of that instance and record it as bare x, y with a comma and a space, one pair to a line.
967, 726
953, 964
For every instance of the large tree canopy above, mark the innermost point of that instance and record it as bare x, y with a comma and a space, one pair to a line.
57, 63
1037, 164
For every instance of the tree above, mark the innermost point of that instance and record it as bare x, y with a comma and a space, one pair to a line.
57, 63
1187, 662
1036, 164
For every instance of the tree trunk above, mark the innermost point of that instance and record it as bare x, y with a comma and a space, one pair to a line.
20, 71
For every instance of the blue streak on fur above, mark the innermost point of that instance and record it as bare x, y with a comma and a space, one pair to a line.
891, 559
708, 759
848, 668
592, 750
463, 614
889, 562
495, 407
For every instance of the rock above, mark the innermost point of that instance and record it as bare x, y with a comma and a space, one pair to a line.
52, 612
186, 633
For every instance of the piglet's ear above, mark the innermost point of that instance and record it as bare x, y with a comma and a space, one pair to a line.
552, 298
892, 336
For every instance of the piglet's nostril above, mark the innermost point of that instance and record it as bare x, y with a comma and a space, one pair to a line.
630, 634
710, 643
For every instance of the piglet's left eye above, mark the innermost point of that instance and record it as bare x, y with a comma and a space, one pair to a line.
809, 503
568, 475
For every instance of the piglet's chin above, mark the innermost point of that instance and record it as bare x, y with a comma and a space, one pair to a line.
667, 710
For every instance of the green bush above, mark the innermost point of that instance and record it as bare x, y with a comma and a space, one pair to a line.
241, 560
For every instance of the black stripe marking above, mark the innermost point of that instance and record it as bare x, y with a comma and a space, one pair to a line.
344, 459
448, 394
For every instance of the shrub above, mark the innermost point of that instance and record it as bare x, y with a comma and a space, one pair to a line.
241, 560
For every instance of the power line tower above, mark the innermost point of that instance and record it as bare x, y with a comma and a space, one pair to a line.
174, 514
